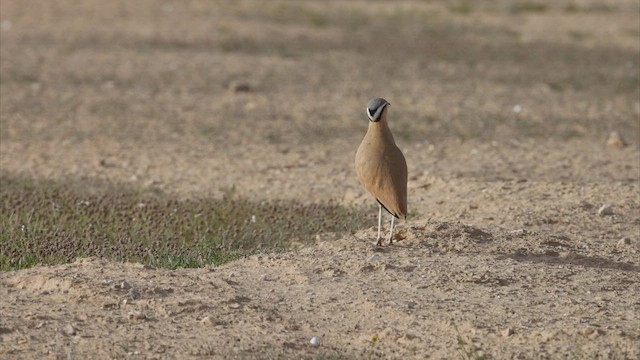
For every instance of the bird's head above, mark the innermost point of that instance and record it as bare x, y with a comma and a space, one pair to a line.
376, 108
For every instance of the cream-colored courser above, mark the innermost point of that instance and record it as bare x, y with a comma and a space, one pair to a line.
381, 166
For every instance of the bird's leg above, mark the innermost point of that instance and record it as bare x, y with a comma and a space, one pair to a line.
393, 219
379, 242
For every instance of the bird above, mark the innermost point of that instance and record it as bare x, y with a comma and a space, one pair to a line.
381, 166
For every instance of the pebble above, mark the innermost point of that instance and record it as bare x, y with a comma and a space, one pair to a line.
518, 232
616, 140
606, 209
135, 314
374, 257
134, 294
591, 332
207, 321
403, 303
507, 332
125, 285
315, 341
624, 241
69, 330
238, 87
109, 306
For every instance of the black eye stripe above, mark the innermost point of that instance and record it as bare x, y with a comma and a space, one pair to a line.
375, 114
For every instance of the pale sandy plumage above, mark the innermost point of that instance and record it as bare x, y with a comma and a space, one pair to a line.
381, 166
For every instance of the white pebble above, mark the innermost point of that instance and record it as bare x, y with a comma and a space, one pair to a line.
606, 209
507, 332
69, 330
137, 315
207, 321
315, 341
517, 109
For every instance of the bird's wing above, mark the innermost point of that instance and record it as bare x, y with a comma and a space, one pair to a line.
385, 179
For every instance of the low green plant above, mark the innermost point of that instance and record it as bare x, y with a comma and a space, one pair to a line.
44, 222
528, 7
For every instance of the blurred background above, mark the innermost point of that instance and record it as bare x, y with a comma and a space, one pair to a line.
171, 93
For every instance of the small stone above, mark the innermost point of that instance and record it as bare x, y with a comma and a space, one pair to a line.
238, 87
315, 341
134, 294
615, 140
125, 285
587, 330
109, 306
409, 304
207, 321
507, 332
403, 303
624, 241
606, 209
592, 332
374, 257
137, 315
69, 330
599, 332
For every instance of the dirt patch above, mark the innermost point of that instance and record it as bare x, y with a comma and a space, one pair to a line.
415, 299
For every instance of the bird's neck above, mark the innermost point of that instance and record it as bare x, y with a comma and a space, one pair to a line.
381, 128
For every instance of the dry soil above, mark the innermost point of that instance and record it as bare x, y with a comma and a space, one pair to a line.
502, 110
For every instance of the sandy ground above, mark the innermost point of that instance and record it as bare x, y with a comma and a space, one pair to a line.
504, 255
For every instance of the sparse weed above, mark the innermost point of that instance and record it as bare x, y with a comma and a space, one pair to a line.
463, 7
47, 223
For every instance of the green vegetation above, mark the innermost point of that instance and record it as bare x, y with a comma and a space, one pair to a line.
463, 7
48, 223
528, 7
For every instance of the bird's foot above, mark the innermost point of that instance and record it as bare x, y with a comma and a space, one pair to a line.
379, 242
